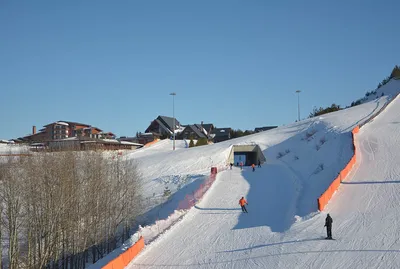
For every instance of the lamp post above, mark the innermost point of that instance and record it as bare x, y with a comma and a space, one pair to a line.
173, 116
298, 104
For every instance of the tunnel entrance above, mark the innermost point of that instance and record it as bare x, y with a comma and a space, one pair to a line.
248, 154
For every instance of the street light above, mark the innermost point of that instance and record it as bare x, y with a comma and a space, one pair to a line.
173, 116
298, 104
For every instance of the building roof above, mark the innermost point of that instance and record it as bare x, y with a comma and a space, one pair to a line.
168, 122
89, 128
32, 135
164, 126
197, 130
62, 123
219, 132
76, 123
208, 126
108, 133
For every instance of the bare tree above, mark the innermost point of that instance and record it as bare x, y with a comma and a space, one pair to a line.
57, 207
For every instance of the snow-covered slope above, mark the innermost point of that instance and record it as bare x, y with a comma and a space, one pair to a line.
160, 166
283, 228
282, 196
390, 89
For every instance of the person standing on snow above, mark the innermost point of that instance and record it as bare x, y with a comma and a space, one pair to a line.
328, 225
241, 165
242, 203
254, 167
259, 163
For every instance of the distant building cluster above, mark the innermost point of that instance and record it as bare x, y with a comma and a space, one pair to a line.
163, 126
67, 135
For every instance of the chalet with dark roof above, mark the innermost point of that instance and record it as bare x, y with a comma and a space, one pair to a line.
207, 128
197, 131
163, 125
192, 131
221, 134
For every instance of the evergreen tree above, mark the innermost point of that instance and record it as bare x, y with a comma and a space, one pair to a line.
396, 72
321, 111
167, 192
248, 132
202, 141
191, 143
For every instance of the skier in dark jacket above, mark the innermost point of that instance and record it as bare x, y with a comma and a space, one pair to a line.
328, 225
259, 163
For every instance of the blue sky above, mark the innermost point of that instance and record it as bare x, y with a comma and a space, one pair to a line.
233, 63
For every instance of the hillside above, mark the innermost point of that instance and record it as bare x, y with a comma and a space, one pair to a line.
283, 228
389, 89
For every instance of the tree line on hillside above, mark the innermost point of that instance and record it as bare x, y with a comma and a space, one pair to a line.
62, 210
320, 111
240, 133
394, 74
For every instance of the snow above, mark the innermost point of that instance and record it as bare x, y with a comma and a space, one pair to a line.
179, 129
62, 123
3, 141
130, 143
70, 138
110, 140
12, 148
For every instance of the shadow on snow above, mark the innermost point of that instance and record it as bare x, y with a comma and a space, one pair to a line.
163, 210
271, 199
287, 187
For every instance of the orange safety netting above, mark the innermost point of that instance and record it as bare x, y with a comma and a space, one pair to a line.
327, 195
125, 258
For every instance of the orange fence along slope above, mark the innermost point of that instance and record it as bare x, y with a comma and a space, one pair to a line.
327, 195
125, 258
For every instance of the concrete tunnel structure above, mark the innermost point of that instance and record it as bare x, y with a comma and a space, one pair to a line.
248, 154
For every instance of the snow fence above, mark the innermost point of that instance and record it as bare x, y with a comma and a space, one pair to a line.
190, 200
151, 143
327, 195
125, 258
